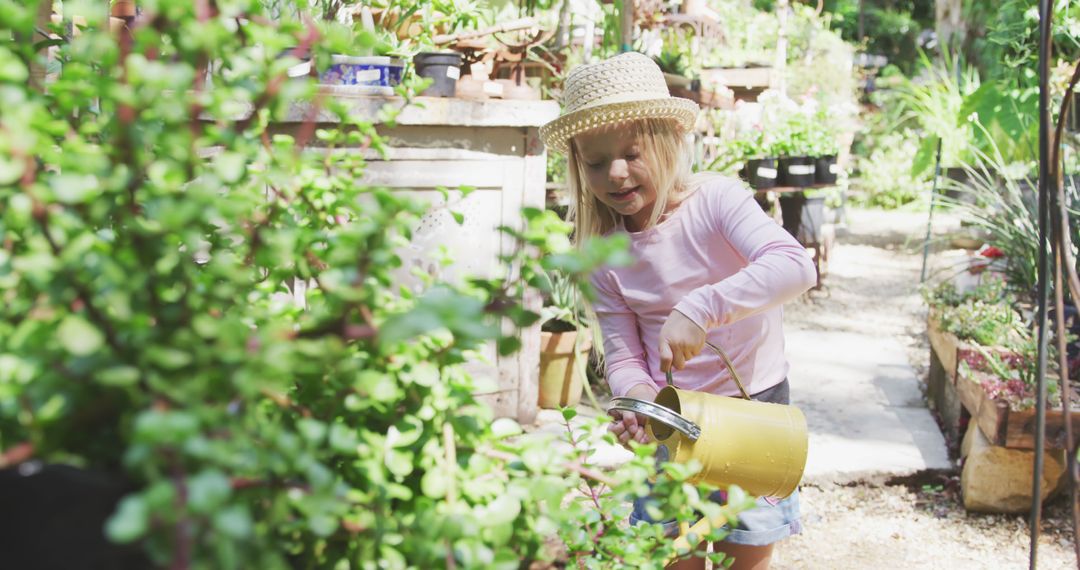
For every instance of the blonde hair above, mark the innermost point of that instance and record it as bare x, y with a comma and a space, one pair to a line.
667, 157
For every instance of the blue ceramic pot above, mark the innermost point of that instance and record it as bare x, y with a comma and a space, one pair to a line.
370, 71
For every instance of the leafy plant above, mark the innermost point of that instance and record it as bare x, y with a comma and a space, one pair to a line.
1011, 375
596, 535
945, 294
673, 62
822, 134
1006, 208
936, 102
157, 235
793, 135
986, 323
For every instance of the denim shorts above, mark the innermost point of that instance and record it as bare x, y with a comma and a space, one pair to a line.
769, 522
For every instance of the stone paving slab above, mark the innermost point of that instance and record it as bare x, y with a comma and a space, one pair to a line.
864, 408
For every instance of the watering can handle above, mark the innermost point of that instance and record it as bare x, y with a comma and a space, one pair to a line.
730, 367
658, 413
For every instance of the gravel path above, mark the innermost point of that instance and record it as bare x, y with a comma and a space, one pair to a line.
872, 289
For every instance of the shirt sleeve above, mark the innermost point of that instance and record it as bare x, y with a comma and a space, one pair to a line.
624, 355
777, 269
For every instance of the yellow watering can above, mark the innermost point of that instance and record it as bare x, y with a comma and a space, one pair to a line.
758, 446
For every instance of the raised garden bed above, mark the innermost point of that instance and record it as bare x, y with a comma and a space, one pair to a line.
953, 386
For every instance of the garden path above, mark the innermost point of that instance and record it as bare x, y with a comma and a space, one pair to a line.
848, 348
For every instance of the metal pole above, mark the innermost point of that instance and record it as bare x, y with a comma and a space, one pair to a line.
930, 218
1045, 26
627, 25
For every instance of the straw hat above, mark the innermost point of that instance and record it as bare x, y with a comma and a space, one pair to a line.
626, 87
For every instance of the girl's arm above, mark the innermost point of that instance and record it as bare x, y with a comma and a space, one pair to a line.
624, 355
777, 270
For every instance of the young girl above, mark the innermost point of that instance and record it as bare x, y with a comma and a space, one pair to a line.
710, 264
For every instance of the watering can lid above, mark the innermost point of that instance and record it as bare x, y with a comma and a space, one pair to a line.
659, 413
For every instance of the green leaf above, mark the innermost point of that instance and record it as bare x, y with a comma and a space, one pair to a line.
313, 430
400, 463
405, 432
505, 427
378, 386
130, 521
569, 413
78, 336
502, 511
118, 376
207, 490
233, 522
230, 166
423, 374
343, 439
11, 169
75, 188
508, 345
322, 525
11, 67
168, 358
433, 484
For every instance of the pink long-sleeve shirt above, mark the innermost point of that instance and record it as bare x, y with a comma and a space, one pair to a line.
722, 262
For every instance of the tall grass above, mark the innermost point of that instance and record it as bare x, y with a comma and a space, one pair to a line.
1007, 209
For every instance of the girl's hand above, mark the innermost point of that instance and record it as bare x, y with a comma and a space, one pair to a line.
680, 340
628, 425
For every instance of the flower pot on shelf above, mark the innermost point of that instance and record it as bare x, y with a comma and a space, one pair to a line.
760, 173
796, 171
444, 70
362, 71
561, 382
826, 170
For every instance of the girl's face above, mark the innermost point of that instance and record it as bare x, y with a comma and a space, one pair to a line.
616, 172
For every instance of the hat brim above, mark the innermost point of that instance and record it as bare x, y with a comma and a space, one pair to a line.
557, 134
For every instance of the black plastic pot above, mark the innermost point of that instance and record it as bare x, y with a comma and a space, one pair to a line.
796, 171
760, 173
443, 68
825, 169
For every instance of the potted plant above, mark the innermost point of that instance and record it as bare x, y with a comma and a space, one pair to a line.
759, 166
796, 166
564, 343
823, 147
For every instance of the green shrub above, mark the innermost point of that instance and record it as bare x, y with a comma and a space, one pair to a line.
884, 176
155, 231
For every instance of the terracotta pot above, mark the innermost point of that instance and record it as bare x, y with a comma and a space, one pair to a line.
560, 383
